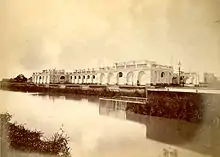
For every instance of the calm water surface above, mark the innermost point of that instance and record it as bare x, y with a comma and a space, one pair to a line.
98, 130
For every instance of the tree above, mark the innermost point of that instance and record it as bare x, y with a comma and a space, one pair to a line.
20, 78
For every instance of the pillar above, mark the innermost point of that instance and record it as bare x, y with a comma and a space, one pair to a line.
135, 77
146, 91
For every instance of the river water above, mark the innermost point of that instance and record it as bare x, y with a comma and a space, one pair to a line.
97, 130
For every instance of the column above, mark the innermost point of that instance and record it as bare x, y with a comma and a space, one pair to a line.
135, 77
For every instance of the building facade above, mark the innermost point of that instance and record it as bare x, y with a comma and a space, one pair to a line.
49, 76
135, 73
122, 73
83, 76
191, 78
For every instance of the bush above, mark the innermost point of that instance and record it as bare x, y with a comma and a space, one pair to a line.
23, 139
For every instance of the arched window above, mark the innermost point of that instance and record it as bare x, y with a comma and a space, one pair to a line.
40, 77
75, 77
62, 77
79, 77
162, 74
93, 76
88, 77
120, 74
84, 77
71, 77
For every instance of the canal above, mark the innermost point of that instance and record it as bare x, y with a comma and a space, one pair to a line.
99, 130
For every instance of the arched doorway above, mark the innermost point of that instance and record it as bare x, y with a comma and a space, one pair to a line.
111, 79
40, 79
62, 79
102, 77
71, 79
88, 80
83, 79
119, 78
163, 77
175, 80
143, 78
93, 79
130, 78
75, 80
79, 79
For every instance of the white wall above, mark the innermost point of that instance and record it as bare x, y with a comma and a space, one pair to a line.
145, 75
156, 76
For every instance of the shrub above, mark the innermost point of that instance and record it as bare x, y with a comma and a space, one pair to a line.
23, 139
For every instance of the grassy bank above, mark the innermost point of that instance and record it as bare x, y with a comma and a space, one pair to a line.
191, 107
15, 137
93, 90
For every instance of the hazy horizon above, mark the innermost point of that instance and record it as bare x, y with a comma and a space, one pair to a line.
73, 34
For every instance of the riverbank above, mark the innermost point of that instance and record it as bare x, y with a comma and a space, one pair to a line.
186, 106
17, 138
92, 90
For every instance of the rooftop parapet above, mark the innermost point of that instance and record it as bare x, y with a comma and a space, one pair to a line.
106, 68
162, 66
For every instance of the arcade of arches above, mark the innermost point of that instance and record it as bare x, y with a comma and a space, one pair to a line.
110, 77
134, 78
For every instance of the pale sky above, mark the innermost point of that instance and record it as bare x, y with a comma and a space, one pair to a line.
69, 34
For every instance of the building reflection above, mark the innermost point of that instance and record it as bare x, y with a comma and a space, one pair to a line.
54, 96
202, 138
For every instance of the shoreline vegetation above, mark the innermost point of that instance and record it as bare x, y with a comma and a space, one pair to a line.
90, 90
17, 137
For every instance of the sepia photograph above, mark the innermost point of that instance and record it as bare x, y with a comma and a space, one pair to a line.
109, 78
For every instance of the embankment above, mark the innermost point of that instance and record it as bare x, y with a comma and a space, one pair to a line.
94, 90
191, 107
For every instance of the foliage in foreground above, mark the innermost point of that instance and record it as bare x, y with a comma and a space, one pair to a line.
23, 139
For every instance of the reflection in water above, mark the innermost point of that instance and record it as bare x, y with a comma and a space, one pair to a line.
54, 96
202, 138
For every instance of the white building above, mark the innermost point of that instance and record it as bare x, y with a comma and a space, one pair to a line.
83, 76
135, 72
49, 76
122, 73
191, 78
199, 78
